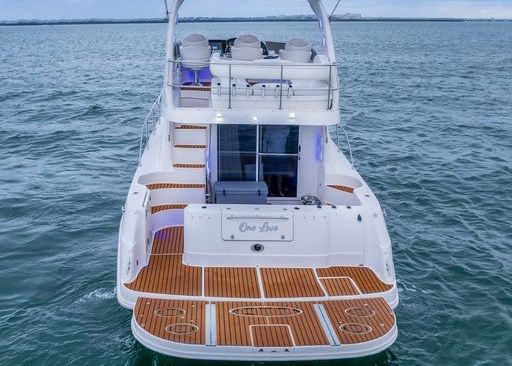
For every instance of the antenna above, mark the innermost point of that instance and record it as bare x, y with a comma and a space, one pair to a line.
166, 8
333, 10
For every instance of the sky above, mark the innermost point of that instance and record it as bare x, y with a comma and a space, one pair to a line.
123, 9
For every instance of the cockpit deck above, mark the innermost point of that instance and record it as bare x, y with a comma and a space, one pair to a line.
167, 274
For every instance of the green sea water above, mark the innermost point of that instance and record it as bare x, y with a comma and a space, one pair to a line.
428, 107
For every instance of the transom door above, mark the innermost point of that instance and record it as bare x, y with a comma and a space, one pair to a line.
267, 153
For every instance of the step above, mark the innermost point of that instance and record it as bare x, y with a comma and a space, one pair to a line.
156, 186
189, 137
189, 146
190, 127
185, 176
164, 194
194, 172
189, 166
342, 188
175, 206
185, 154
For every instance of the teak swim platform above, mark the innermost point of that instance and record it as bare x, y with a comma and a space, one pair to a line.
247, 234
264, 324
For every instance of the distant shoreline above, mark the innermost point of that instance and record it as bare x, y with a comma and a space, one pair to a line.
234, 20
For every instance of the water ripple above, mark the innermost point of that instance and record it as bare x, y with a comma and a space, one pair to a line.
428, 109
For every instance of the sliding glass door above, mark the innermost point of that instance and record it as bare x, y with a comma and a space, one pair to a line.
267, 153
237, 152
278, 159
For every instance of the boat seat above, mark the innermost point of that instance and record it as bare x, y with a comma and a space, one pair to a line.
297, 44
195, 58
195, 39
246, 53
247, 40
295, 55
296, 50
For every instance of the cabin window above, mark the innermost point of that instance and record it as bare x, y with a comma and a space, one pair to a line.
267, 153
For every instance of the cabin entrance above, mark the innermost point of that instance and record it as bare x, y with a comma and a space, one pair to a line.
268, 153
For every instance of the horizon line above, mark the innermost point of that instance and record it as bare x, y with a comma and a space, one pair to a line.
281, 18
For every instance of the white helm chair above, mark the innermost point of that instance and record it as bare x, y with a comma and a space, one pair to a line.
296, 50
194, 39
195, 58
246, 53
247, 40
295, 56
297, 44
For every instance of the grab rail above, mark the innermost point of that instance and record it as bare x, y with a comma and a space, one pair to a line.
149, 124
276, 77
339, 129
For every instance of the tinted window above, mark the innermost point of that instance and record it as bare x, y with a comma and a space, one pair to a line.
237, 152
279, 139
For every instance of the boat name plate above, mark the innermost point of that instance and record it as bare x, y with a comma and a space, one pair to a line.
250, 226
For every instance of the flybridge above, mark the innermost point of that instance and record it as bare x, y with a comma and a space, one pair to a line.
245, 79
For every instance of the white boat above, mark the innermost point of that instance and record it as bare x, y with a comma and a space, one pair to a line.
247, 234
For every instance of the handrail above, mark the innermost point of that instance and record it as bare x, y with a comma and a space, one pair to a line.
276, 80
258, 63
149, 124
340, 128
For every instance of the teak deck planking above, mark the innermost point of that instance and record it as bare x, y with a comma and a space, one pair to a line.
268, 324
231, 282
175, 206
175, 185
166, 274
189, 166
290, 282
340, 187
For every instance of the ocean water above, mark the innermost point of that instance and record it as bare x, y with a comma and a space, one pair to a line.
428, 107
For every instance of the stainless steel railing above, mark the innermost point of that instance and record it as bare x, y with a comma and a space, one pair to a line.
149, 124
340, 130
275, 81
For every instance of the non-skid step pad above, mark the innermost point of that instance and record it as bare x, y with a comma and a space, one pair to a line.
265, 324
189, 166
175, 186
174, 206
190, 127
185, 146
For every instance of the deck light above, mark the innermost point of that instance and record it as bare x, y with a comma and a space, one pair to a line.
292, 115
218, 115
255, 119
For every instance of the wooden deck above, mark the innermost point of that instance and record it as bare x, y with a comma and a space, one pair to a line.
265, 324
190, 127
159, 208
189, 166
172, 320
340, 187
175, 185
166, 274
231, 282
290, 282
182, 146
